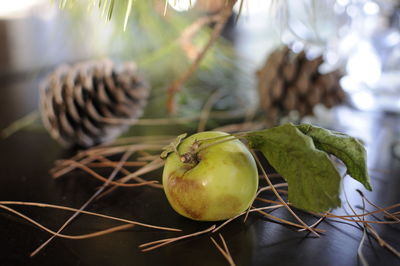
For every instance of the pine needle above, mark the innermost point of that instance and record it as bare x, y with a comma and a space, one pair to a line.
205, 112
377, 207
280, 198
94, 196
110, 9
314, 225
162, 242
84, 236
252, 210
224, 251
20, 124
156, 164
127, 13
239, 12
52, 206
359, 250
103, 179
260, 191
165, 8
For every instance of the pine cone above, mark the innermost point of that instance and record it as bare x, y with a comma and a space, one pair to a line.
289, 81
78, 102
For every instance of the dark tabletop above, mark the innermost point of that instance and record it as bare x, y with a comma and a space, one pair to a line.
27, 156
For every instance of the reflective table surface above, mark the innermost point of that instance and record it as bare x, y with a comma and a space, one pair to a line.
27, 156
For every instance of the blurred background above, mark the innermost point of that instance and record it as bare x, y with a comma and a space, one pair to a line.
357, 40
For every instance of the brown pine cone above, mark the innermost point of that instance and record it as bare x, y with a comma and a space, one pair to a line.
79, 102
289, 81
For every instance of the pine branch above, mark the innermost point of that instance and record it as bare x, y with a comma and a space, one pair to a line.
176, 86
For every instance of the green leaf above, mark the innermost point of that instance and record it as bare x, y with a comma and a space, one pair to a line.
173, 146
344, 147
313, 180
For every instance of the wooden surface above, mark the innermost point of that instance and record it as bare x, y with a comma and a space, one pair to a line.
26, 157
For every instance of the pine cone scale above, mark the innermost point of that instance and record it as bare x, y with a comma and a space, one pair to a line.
290, 81
75, 100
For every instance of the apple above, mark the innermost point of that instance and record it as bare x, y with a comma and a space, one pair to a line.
217, 182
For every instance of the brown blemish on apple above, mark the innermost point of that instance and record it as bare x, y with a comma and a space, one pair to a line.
231, 205
241, 158
182, 190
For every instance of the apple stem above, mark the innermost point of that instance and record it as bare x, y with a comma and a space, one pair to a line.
189, 157
192, 157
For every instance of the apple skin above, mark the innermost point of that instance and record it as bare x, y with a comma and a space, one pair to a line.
220, 186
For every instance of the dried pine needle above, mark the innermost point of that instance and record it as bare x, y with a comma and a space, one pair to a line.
52, 206
262, 190
103, 179
275, 218
331, 215
314, 225
154, 165
162, 242
280, 198
224, 251
84, 236
114, 164
377, 207
252, 210
205, 112
365, 231
382, 242
125, 157
19, 124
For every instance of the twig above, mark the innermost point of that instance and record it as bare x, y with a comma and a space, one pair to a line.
111, 177
187, 35
177, 84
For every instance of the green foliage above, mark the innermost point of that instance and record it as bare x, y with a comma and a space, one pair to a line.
314, 181
142, 33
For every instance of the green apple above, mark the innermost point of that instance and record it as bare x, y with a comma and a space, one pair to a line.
217, 183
